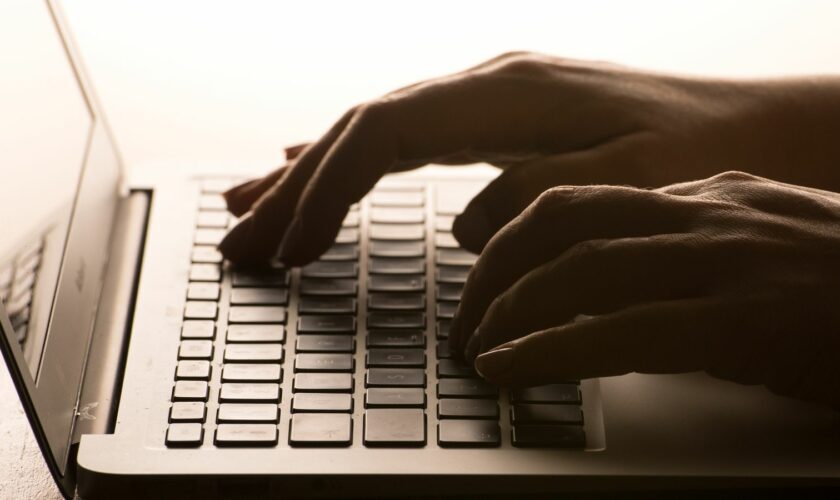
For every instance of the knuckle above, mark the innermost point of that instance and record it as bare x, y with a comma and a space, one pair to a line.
374, 113
731, 176
549, 200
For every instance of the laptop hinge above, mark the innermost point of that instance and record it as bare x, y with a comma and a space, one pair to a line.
97, 406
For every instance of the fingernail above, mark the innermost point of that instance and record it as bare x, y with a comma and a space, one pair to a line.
290, 240
473, 346
495, 363
472, 228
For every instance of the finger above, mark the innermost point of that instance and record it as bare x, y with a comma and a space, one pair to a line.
519, 185
241, 198
559, 219
255, 238
598, 277
662, 337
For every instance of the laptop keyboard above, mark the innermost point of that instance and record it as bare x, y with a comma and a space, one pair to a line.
246, 333
17, 286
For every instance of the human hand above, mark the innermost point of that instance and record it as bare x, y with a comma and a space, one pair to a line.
548, 122
734, 275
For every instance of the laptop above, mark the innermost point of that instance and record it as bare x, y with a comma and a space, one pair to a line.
150, 368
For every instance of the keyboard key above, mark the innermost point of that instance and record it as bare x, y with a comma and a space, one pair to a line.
326, 343
469, 434
248, 413
327, 305
334, 287
211, 201
443, 328
321, 429
215, 219
387, 186
203, 291
188, 411
206, 255
342, 252
397, 301
200, 310
216, 185
330, 269
396, 377
448, 368
396, 283
403, 249
251, 372
198, 329
326, 324
210, 237
446, 240
195, 349
452, 274
455, 257
396, 338
395, 427
468, 408
267, 278
249, 393
323, 382
443, 350
383, 215
256, 314
444, 223
396, 266
314, 402
407, 358
386, 397
396, 320
552, 393
397, 232
256, 333
396, 199
466, 388
347, 235
309, 362
190, 390
246, 435
351, 219
259, 296
545, 414
192, 370
548, 436
449, 292
184, 435
255, 353
446, 310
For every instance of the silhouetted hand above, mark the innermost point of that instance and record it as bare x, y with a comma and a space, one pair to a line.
735, 275
548, 122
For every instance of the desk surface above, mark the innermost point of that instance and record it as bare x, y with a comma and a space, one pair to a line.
231, 83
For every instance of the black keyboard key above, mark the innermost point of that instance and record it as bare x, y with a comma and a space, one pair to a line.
184, 435
188, 412
254, 353
259, 296
397, 301
326, 324
397, 232
401, 397
404, 249
444, 223
251, 372
396, 338
246, 435
193, 370
205, 254
406, 358
449, 292
343, 252
200, 310
396, 199
195, 349
381, 215
449, 368
446, 240
452, 274
546, 414
323, 382
351, 219
217, 219
455, 257
326, 343
264, 278
469, 434
211, 201
443, 350
347, 235
209, 237
256, 333
330, 269
249, 393
198, 329
443, 329
310, 362
321, 429
203, 291
468, 408
329, 287
395, 427
205, 272
548, 436
257, 314
396, 266
396, 320
466, 388
552, 393
396, 377
190, 390
216, 184
446, 310
313, 402
248, 413
396, 283
327, 305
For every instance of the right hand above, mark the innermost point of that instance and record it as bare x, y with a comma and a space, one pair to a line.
547, 122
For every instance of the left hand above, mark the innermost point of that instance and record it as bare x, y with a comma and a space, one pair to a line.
735, 275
